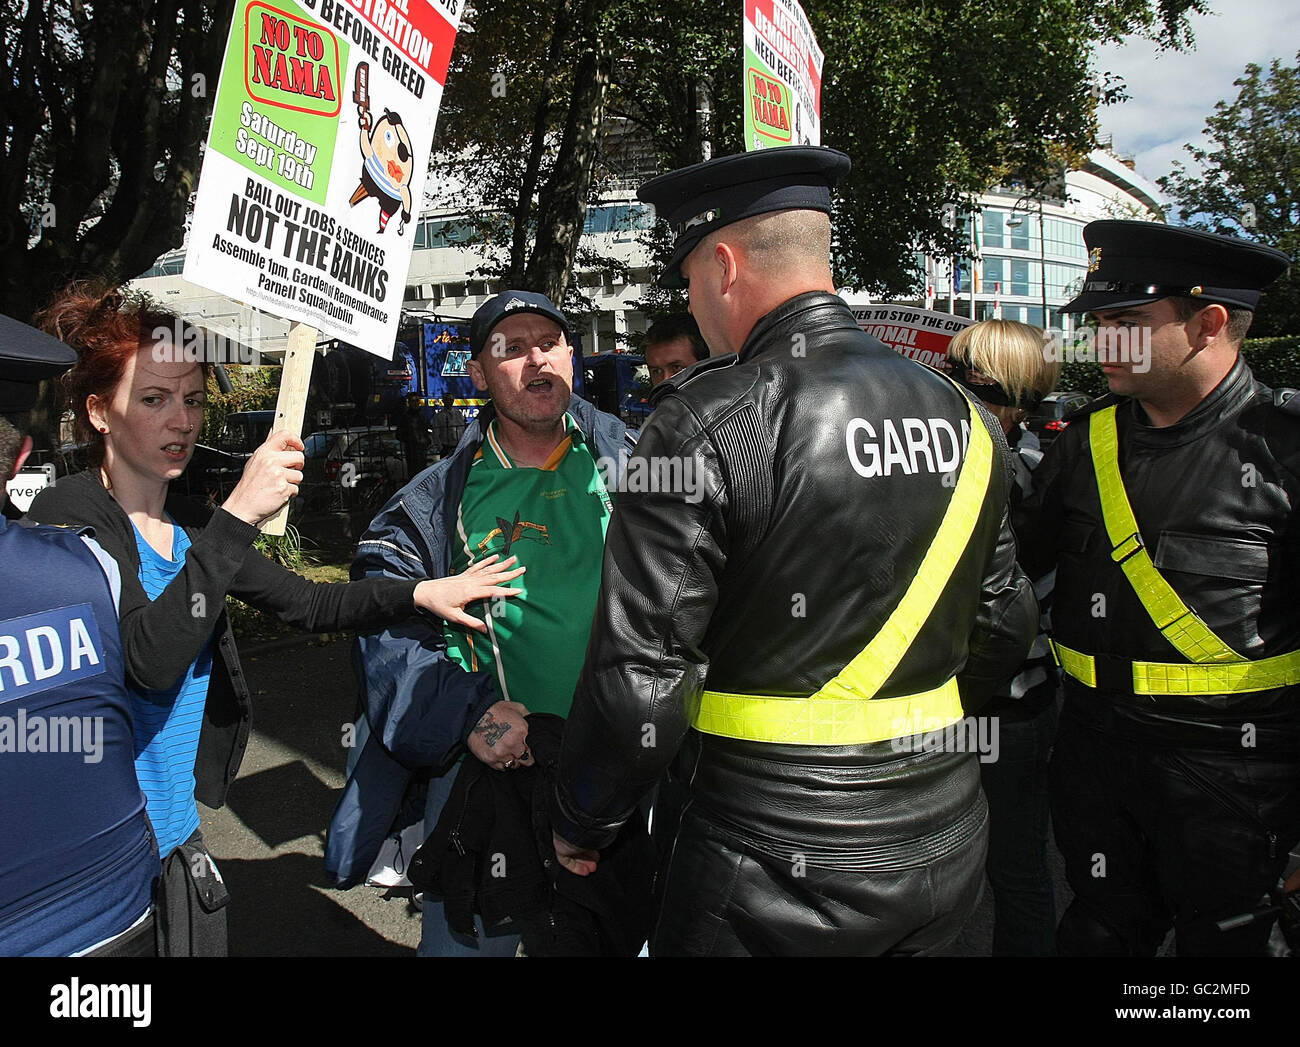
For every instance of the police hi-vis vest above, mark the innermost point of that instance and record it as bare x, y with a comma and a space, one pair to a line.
77, 857
1212, 667
846, 711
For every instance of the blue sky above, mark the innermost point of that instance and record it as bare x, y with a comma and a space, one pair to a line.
1171, 94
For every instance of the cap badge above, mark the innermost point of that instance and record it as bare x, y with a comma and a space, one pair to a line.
1197, 290
1094, 259
515, 303
700, 219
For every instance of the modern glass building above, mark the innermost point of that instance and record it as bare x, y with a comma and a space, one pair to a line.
1030, 256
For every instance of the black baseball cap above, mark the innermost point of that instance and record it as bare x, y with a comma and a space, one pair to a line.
1132, 263
698, 199
27, 358
507, 303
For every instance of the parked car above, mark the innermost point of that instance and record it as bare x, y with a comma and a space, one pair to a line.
215, 469
243, 432
1047, 420
353, 468
211, 474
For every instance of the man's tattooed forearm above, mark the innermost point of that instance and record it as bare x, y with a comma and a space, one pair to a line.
491, 730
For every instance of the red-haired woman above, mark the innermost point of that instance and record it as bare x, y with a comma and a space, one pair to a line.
139, 404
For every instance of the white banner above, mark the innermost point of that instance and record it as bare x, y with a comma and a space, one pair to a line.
919, 334
317, 158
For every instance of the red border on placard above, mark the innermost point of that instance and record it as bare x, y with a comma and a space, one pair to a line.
338, 72
761, 130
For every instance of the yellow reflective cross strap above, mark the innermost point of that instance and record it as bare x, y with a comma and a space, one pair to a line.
1186, 678
1179, 624
826, 721
1213, 667
845, 710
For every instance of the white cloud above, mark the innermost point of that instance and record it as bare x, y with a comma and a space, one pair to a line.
1172, 93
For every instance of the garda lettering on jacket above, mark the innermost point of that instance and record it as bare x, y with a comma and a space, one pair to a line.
905, 445
42, 651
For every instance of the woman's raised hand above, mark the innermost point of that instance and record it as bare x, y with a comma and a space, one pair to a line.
270, 478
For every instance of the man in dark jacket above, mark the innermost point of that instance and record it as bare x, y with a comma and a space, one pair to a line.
529, 480
734, 612
1168, 512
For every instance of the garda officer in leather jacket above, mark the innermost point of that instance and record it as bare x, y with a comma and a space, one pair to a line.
1167, 508
729, 635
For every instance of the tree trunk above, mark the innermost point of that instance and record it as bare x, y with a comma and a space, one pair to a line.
523, 211
103, 151
562, 203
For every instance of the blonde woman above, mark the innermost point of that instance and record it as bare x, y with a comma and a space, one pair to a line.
1005, 364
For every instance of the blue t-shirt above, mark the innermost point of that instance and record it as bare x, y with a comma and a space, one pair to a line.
167, 723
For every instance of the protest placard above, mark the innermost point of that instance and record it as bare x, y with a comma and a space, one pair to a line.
317, 158
783, 76
919, 334
320, 138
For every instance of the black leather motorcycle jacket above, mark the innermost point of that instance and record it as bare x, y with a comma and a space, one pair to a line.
803, 532
1213, 496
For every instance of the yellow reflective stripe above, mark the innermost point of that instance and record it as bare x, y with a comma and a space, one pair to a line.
845, 711
1282, 670
869, 670
1080, 666
1179, 624
1264, 674
825, 721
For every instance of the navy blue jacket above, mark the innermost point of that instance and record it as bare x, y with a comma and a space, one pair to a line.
419, 704
77, 856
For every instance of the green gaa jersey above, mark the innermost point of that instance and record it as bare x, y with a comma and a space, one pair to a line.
554, 520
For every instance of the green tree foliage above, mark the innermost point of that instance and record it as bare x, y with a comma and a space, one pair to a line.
937, 102
934, 102
520, 124
1247, 181
105, 106
251, 389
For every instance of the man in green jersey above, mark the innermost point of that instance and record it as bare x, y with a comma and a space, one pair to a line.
528, 479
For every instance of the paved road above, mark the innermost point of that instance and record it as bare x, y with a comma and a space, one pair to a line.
268, 839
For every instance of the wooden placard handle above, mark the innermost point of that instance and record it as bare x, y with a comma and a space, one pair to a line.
292, 402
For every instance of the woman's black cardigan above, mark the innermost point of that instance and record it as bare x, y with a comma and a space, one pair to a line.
162, 638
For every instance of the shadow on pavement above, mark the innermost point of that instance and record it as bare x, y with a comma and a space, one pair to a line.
282, 803
304, 920
304, 695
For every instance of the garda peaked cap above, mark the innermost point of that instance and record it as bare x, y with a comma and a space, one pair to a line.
698, 199
27, 358
1131, 263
